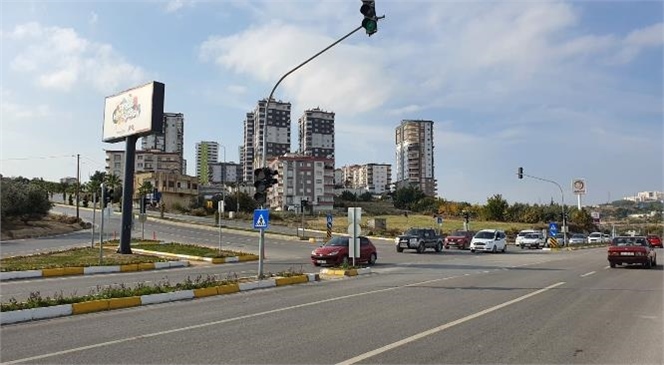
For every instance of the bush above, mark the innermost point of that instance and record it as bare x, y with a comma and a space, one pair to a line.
199, 212
22, 199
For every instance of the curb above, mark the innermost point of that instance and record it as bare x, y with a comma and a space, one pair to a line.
343, 273
100, 305
212, 260
89, 270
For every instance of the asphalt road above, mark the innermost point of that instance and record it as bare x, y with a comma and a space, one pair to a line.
543, 308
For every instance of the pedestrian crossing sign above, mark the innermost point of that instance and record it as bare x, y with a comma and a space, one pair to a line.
261, 218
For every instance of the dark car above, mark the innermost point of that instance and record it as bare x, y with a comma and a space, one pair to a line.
654, 240
335, 252
460, 239
419, 239
631, 250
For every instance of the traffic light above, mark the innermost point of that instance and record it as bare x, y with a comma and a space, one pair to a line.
260, 183
144, 204
520, 173
466, 217
107, 196
271, 177
370, 21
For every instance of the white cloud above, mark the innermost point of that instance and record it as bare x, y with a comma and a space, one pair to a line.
175, 5
236, 89
94, 17
59, 59
345, 78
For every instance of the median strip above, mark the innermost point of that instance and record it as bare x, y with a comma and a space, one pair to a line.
99, 305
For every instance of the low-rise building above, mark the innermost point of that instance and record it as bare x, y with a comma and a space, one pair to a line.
145, 161
176, 189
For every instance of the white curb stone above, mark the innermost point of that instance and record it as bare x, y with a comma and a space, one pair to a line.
9, 275
52, 312
15, 316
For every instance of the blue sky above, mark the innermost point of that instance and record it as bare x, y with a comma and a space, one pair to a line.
565, 89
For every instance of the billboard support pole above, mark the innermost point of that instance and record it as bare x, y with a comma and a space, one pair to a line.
127, 195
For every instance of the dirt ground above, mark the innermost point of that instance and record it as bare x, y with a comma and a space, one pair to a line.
49, 226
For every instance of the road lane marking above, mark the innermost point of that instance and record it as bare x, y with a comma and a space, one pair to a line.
607, 267
208, 324
443, 327
588, 274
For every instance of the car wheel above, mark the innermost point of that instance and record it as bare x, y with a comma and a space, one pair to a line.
399, 249
372, 259
472, 250
654, 262
447, 247
316, 264
612, 264
522, 247
439, 247
420, 248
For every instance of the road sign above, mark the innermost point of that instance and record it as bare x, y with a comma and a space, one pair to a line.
439, 220
221, 206
579, 186
553, 229
354, 219
329, 220
261, 218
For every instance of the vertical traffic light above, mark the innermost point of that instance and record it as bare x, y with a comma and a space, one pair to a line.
107, 196
260, 184
370, 21
519, 173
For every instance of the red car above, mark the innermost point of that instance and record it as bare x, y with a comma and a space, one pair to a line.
632, 250
654, 240
460, 239
335, 252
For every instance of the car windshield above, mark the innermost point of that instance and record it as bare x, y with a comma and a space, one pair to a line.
485, 234
595, 235
629, 241
532, 235
412, 232
337, 241
458, 233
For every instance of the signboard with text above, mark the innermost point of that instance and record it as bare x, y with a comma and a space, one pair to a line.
138, 111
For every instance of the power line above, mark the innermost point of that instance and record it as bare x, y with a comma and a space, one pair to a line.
35, 158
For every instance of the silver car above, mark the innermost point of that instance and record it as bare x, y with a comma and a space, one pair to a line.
577, 239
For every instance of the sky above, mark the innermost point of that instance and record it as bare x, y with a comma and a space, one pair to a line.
564, 89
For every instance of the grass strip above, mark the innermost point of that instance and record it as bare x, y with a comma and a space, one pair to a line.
80, 256
184, 249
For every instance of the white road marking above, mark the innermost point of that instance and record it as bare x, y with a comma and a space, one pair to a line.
607, 267
443, 327
588, 274
208, 324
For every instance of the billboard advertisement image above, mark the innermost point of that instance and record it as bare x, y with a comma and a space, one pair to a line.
138, 111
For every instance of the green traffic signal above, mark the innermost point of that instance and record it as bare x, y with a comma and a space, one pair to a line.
370, 22
370, 25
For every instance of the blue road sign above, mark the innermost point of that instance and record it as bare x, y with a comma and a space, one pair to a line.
553, 229
329, 220
261, 218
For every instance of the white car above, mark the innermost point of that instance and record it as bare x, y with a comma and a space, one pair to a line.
491, 240
522, 234
532, 240
596, 237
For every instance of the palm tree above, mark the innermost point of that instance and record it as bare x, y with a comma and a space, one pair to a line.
145, 188
113, 182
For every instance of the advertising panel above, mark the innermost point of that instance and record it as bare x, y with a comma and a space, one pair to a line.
137, 111
579, 186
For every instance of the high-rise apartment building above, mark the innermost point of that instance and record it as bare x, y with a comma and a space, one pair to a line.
207, 152
170, 139
247, 149
278, 135
226, 173
145, 161
316, 130
414, 155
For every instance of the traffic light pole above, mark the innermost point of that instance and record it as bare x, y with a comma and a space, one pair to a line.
562, 196
261, 240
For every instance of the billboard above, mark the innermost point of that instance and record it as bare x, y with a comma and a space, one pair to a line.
579, 186
138, 111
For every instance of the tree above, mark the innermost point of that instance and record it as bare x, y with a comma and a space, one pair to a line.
24, 200
348, 196
405, 197
366, 197
145, 188
496, 208
114, 182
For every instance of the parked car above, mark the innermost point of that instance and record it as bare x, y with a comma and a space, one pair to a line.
460, 239
631, 250
492, 240
335, 252
532, 240
419, 239
577, 239
520, 235
595, 237
654, 240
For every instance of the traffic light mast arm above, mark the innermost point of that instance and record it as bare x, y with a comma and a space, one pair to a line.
267, 104
562, 196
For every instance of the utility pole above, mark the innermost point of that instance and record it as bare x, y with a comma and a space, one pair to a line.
78, 181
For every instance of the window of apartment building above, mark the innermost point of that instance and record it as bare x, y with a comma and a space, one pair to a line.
117, 165
140, 157
319, 191
308, 191
117, 157
308, 164
171, 184
309, 174
139, 165
319, 181
319, 164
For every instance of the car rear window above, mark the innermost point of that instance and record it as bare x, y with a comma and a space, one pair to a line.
629, 241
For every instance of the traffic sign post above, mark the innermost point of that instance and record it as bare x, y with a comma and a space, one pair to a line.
553, 231
329, 226
354, 230
261, 219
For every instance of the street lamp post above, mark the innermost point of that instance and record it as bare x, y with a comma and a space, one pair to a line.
221, 207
